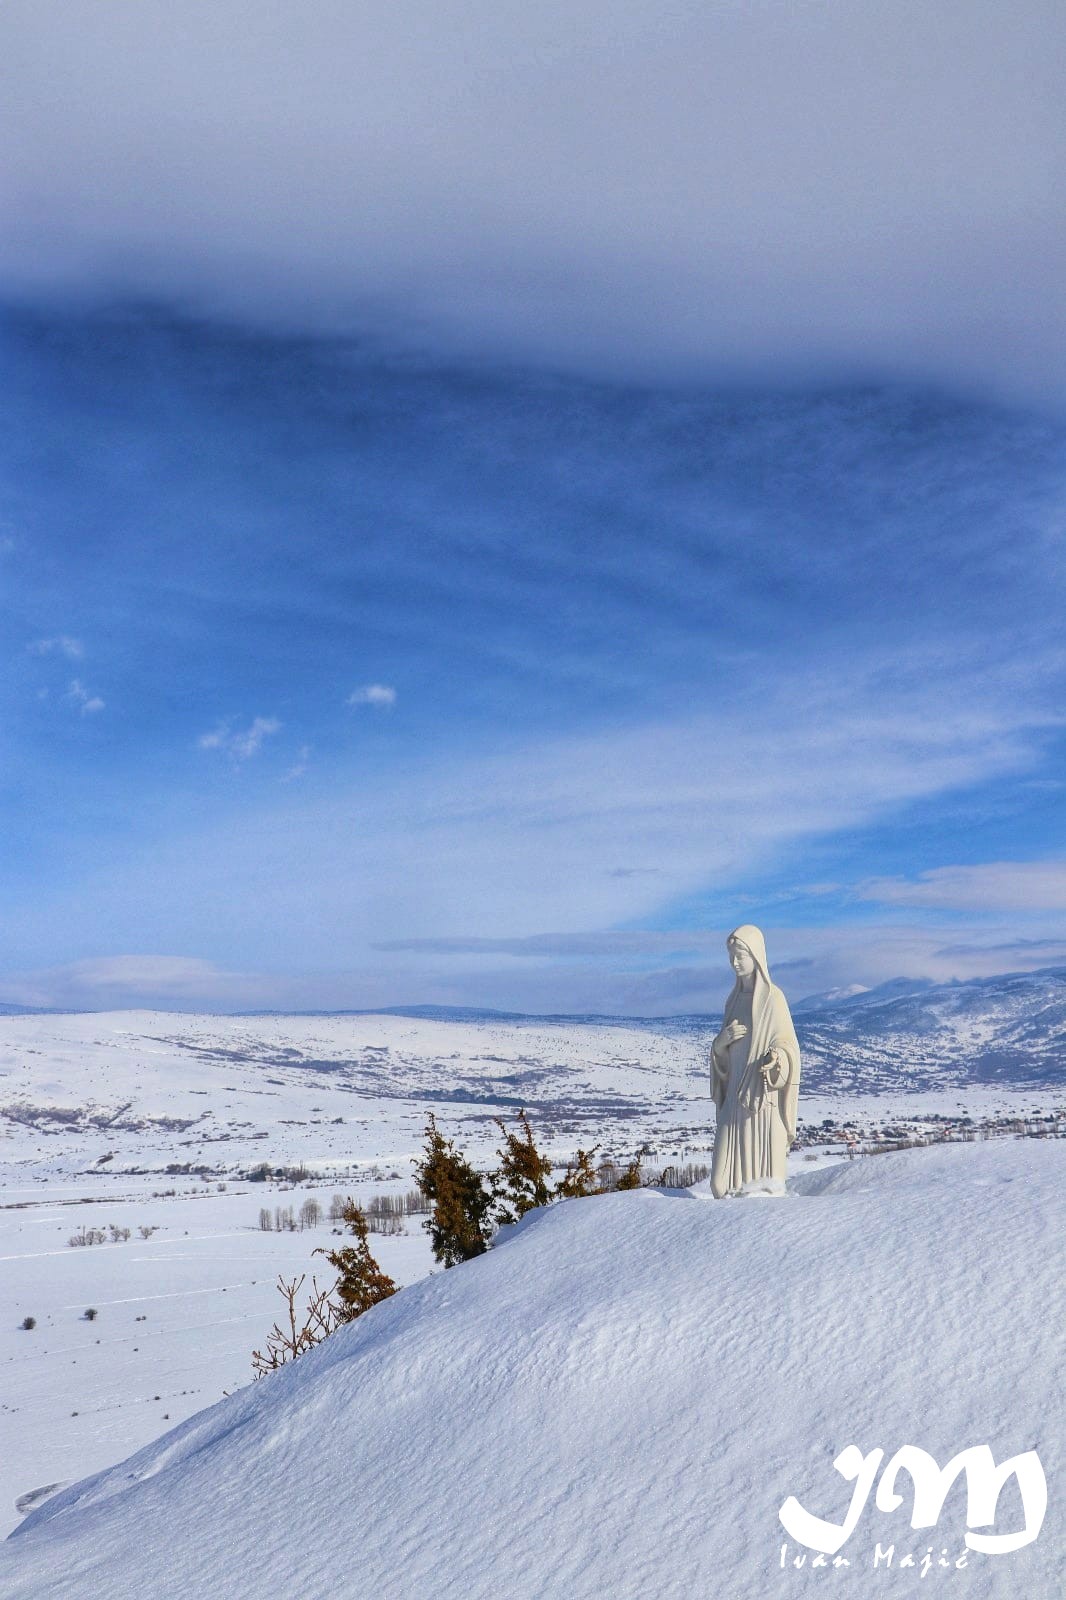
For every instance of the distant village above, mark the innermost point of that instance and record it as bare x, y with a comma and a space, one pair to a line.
860, 1137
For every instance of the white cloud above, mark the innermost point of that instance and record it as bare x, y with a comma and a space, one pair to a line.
804, 960
137, 980
86, 703
63, 645
373, 694
989, 886
240, 744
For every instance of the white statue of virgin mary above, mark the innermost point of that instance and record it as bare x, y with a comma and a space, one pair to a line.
755, 1069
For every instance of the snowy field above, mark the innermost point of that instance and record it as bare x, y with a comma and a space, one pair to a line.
140, 1092
177, 1315
99, 1113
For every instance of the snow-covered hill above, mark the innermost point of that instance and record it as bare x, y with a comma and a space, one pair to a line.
617, 1401
1004, 1030
150, 1090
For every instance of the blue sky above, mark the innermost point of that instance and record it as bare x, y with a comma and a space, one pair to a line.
484, 645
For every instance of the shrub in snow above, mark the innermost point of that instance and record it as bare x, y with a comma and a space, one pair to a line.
28, 1323
630, 1177
304, 1330
579, 1179
520, 1182
87, 1236
90, 1314
460, 1222
361, 1282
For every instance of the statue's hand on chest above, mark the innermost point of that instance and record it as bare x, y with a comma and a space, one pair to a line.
732, 1033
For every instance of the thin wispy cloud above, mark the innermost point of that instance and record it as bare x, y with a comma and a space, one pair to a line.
156, 981
63, 645
506, 845
380, 695
88, 704
240, 744
989, 886
621, 942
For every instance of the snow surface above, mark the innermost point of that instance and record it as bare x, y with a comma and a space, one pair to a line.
97, 1111
616, 1401
178, 1315
151, 1088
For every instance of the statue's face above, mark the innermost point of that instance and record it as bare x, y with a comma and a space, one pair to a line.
742, 960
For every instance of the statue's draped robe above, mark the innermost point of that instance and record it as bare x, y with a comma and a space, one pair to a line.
756, 1119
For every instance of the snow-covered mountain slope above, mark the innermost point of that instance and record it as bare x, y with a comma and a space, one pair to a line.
1005, 1030
908, 1033
617, 1401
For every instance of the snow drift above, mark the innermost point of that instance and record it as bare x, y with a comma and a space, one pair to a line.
616, 1401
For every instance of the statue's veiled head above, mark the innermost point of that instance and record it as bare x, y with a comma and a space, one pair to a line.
741, 959
747, 951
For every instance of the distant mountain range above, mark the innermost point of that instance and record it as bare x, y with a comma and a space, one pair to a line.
909, 1033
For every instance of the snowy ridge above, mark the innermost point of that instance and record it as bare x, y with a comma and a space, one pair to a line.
617, 1401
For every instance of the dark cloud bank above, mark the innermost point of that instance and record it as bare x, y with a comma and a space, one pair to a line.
719, 191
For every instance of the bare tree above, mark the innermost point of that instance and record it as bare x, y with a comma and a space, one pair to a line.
304, 1330
310, 1213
